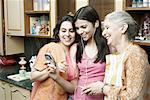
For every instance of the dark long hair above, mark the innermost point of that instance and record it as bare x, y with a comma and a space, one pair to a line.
58, 25
88, 13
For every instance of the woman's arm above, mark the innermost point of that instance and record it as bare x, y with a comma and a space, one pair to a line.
40, 70
37, 75
69, 86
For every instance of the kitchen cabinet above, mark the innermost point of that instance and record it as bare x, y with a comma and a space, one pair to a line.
14, 17
18, 93
34, 15
40, 18
3, 90
66, 6
12, 92
103, 7
10, 43
1, 30
140, 11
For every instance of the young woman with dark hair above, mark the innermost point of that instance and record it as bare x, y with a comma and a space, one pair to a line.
53, 81
89, 54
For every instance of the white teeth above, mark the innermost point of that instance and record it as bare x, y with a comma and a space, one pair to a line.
107, 37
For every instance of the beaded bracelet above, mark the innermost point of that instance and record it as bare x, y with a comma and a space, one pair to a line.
103, 87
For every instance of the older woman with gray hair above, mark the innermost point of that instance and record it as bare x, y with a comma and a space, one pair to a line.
126, 70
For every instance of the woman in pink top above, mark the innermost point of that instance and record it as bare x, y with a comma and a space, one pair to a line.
89, 54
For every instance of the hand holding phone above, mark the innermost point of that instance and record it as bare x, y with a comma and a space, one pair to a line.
62, 66
50, 58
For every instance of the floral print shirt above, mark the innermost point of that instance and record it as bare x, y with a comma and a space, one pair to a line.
134, 77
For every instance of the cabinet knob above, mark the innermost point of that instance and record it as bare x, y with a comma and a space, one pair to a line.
8, 33
11, 85
3, 83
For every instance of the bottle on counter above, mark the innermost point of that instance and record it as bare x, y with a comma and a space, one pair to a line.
22, 70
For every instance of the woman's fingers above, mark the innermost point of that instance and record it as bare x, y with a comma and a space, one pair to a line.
64, 62
47, 62
62, 66
93, 88
51, 69
86, 90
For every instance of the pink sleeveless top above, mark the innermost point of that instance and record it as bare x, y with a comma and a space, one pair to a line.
72, 72
89, 72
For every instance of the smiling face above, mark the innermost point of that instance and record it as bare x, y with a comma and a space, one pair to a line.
112, 32
85, 29
66, 33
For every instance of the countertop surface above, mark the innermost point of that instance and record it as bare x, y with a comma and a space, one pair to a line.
10, 70
142, 42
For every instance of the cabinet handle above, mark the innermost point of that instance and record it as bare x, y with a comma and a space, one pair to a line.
3, 83
11, 85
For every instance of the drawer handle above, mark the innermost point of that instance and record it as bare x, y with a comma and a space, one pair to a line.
3, 83
11, 85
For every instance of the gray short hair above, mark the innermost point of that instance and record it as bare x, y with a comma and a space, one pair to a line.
122, 17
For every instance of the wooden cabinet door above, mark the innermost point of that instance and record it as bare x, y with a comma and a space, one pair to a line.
3, 91
14, 45
1, 32
103, 7
12, 92
14, 17
14, 24
17, 93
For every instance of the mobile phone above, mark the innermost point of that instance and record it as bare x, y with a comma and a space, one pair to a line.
50, 58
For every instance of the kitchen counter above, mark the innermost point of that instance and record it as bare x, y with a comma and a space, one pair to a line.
142, 42
10, 70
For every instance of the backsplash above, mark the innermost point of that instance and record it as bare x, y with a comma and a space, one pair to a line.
32, 46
